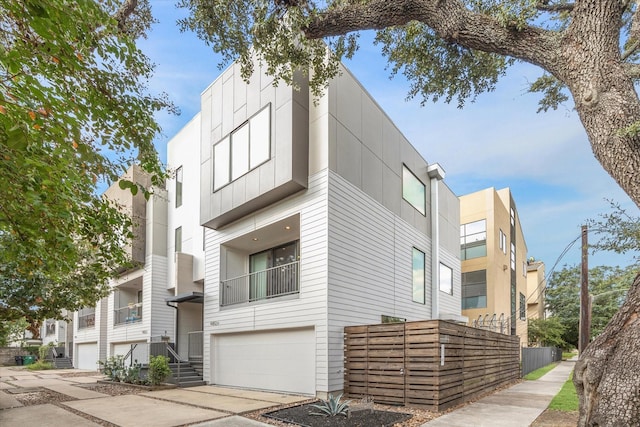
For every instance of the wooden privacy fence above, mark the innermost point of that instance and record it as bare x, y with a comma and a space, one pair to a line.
433, 364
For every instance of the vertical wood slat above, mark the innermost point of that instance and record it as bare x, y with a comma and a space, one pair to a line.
401, 363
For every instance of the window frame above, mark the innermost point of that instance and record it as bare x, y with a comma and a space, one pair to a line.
227, 148
423, 208
465, 246
177, 239
464, 285
418, 290
450, 282
523, 307
178, 187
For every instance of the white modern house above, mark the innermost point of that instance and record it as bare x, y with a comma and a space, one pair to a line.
320, 215
284, 221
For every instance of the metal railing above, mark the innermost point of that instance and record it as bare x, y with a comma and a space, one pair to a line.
87, 321
493, 323
270, 283
127, 314
195, 344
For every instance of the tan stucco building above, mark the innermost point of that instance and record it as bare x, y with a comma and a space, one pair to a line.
493, 252
536, 284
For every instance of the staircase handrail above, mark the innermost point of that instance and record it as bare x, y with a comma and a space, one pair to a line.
177, 357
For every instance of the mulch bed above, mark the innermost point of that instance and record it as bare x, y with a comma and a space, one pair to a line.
113, 389
301, 415
41, 397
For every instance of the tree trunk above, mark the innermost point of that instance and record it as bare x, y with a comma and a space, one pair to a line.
607, 376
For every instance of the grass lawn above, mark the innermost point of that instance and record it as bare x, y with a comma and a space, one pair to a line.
566, 399
534, 375
568, 355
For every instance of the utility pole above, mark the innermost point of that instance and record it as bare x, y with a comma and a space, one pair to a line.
585, 306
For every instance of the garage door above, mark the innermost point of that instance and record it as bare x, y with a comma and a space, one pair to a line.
87, 356
282, 360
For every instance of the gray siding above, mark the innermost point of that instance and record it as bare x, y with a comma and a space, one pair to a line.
368, 150
227, 104
370, 268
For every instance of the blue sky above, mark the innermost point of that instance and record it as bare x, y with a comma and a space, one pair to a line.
498, 141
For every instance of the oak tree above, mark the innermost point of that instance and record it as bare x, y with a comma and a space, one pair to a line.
587, 51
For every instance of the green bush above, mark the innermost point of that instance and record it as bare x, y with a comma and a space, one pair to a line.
158, 370
40, 365
115, 370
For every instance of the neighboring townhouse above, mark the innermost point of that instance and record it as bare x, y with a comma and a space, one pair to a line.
320, 215
59, 333
90, 336
493, 252
135, 313
185, 277
536, 285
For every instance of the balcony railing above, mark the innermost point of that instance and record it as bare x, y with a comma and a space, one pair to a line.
260, 285
87, 321
128, 314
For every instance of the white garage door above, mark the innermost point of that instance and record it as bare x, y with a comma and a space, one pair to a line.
87, 356
282, 360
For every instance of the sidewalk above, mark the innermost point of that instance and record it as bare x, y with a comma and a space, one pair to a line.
517, 406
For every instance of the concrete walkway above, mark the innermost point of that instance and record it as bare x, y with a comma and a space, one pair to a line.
205, 406
517, 406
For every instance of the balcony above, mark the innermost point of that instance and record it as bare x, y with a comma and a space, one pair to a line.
86, 321
261, 285
129, 314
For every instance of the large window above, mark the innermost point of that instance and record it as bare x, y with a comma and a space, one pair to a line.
418, 276
86, 317
413, 190
274, 272
446, 279
179, 187
244, 149
523, 307
474, 289
473, 239
503, 242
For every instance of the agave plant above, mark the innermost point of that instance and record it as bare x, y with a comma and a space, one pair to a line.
332, 407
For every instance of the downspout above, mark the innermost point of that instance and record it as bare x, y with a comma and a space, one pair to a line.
436, 174
175, 334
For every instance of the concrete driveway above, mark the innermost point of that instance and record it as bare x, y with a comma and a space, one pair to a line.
205, 406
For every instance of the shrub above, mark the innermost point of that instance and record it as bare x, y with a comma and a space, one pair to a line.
113, 368
40, 365
158, 370
332, 407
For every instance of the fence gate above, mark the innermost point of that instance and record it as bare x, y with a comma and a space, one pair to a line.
375, 356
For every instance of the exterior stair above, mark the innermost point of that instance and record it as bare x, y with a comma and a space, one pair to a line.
189, 376
62, 363
196, 363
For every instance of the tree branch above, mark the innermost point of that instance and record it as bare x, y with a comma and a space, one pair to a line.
126, 10
449, 19
544, 6
634, 37
632, 70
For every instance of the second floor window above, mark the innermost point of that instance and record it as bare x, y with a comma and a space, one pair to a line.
244, 149
474, 289
178, 239
179, 187
418, 269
